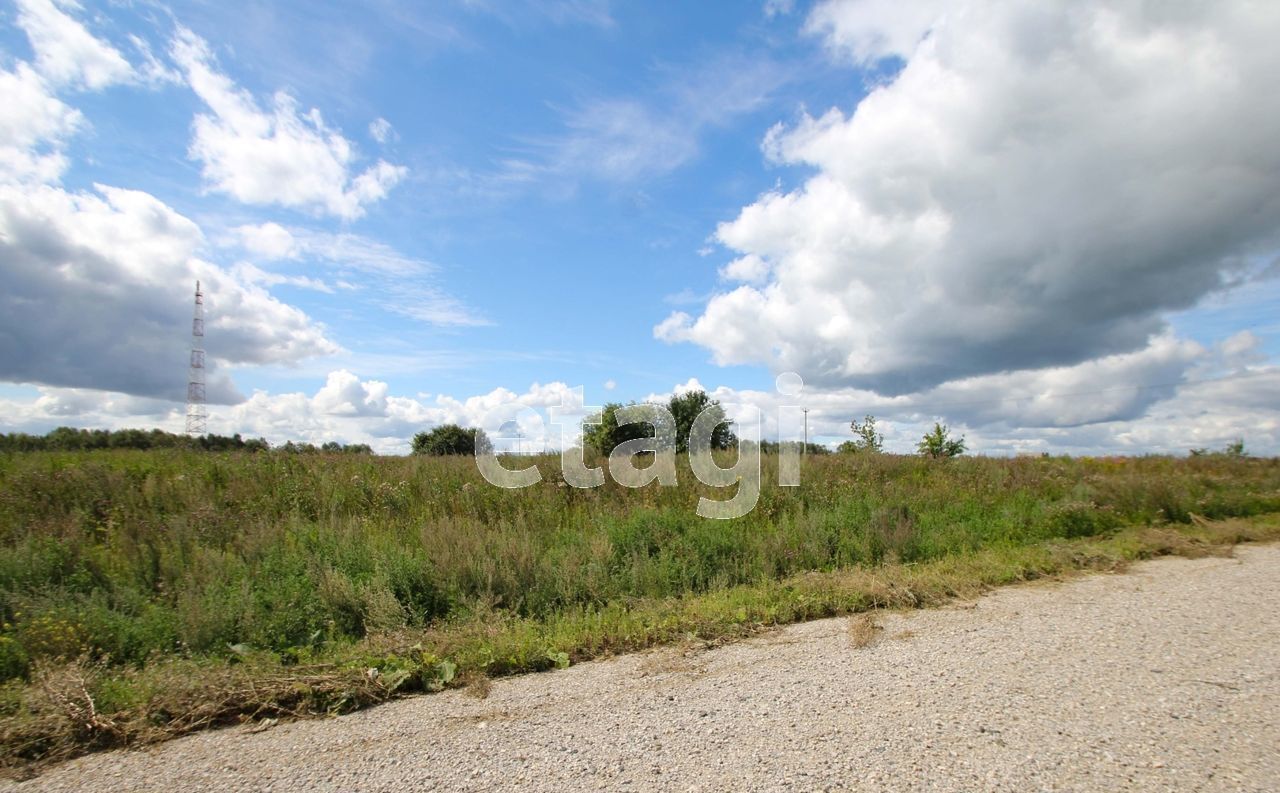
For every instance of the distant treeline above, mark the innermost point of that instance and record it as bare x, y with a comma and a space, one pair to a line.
66, 439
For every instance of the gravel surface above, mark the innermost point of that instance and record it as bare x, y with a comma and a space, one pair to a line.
1163, 678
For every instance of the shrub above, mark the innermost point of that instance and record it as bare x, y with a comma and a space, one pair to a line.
866, 438
450, 439
938, 443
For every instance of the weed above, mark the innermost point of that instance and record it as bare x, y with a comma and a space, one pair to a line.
478, 687
863, 630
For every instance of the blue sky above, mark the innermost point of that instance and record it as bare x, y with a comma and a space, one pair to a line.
406, 213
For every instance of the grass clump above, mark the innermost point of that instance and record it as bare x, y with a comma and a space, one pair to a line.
863, 629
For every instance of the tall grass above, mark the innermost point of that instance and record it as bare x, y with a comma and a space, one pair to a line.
126, 556
148, 594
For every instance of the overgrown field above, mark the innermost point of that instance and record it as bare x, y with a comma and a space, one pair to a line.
148, 593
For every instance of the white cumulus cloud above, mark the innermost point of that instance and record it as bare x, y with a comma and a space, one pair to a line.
34, 126
98, 294
345, 409
280, 155
35, 123
66, 53
1038, 186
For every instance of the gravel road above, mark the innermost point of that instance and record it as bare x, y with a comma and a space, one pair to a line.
1163, 678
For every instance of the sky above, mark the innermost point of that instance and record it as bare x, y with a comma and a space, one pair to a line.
1052, 226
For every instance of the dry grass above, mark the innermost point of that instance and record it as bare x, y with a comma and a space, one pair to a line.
61, 713
680, 659
478, 687
863, 630
1171, 542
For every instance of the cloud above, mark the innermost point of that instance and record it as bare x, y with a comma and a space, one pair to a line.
98, 285
381, 130
72, 405
1112, 388
356, 253
346, 409
393, 282
865, 31
750, 268
1038, 186
431, 305
622, 140
349, 409
98, 295
248, 273
1167, 398
686, 297
66, 53
270, 241
34, 126
344, 394
778, 8
34, 123
627, 139
279, 156
152, 70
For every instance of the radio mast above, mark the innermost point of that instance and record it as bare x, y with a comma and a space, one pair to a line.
196, 413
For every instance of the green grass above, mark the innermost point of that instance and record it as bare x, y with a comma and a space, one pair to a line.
146, 594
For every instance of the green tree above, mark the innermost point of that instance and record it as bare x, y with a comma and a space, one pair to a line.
687, 406
938, 443
607, 433
450, 439
865, 439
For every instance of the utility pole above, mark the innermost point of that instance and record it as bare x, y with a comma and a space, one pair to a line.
805, 449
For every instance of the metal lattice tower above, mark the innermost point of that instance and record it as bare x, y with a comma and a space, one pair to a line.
196, 413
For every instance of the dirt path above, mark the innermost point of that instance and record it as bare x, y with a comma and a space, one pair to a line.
1165, 678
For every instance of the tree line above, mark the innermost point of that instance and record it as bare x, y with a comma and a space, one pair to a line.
605, 430
616, 424
68, 439
601, 433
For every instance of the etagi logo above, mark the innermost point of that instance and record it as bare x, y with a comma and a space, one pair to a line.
744, 474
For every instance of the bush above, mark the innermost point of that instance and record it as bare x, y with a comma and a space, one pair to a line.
450, 439
938, 443
1077, 519
13, 658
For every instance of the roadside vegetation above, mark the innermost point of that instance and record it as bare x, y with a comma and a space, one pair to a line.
144, 594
